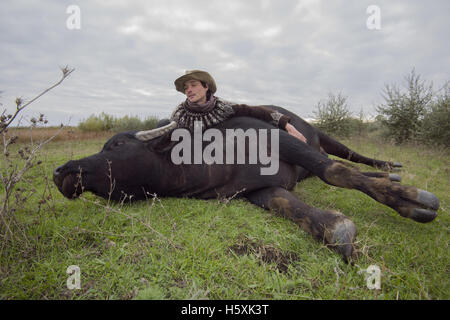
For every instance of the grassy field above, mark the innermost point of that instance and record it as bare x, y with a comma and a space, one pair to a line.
193, 249
25, 135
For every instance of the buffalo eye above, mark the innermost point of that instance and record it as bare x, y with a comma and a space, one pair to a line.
118, 143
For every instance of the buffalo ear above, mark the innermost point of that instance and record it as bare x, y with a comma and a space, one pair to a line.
161, 144
163, 122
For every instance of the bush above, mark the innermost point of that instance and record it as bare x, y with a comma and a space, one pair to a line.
127, 123
334, 117
150, 123
435, 127
403, 112
418, 114
376, 126
105, 122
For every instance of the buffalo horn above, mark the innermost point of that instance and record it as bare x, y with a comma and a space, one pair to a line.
154, 133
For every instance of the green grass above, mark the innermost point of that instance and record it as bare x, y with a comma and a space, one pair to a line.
194, 249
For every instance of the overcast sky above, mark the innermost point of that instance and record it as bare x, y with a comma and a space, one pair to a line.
127, 54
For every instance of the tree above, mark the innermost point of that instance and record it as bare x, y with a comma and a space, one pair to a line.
403, 111
333, 115
435, 127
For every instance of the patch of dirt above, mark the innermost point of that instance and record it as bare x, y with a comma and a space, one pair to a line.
180, 283
130, 295
266, 253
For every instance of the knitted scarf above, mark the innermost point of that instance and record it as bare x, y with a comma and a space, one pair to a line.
213, 112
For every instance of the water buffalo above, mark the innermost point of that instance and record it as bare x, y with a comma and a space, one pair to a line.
137, 164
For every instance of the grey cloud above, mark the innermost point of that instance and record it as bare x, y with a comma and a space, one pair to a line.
290, 53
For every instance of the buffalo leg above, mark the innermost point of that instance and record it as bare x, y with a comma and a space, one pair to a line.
408, 201
390, 176
337, 149
331, 227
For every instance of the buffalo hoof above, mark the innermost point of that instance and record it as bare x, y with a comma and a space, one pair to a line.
422, 208
423, 215
430, 203
390, 166
428, 199
397, 165
395, 177
343, 238
394, 166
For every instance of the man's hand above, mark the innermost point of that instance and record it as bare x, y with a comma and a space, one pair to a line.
292, 131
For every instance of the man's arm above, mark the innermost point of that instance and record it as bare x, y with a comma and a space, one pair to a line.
268, 115
262, 113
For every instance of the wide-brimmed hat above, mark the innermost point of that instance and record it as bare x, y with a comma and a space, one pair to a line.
195, 75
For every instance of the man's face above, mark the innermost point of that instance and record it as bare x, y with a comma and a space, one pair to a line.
195, 92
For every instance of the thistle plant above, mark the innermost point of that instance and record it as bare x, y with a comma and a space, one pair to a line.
15, 165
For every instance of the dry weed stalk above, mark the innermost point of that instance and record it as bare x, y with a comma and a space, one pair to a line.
125, 197
132, 219
13, 172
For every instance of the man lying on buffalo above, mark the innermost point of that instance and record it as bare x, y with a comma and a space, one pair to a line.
201, 105
136, 164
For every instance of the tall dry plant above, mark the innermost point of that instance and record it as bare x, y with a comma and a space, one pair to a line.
14, 169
